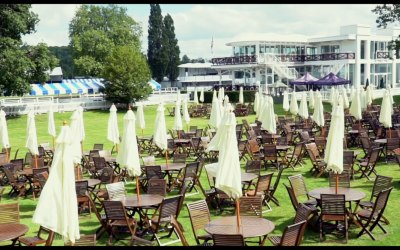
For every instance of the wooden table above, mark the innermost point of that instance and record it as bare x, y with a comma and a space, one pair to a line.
170, 169
11, 231
132, 203
250, 226
91, 182
351, 195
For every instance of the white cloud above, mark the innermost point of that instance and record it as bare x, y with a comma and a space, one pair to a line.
195, 25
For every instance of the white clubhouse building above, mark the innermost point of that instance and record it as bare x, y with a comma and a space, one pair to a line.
357, 53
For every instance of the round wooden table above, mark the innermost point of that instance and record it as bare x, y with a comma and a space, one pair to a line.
172, 166
145, 200
11, 231
249, 226
350, 193
91, 182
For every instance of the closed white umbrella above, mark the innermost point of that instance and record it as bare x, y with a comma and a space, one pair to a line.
385, 115
352, 92
51, 127
228, 176
270, 123
332, 98
128, 155
222, 94
195, 97
178, 117
178, 95
286, 105
303, 110
346, 103
294, 109
201, 99
241, 98
363, 99
57, 208
256, 102
76, 128
334, 143
31, 136
140, 117
160, 130
311, 101
368, 95
186, 115
112, 128
215, 116
4, 139
226, 101
81, 127
318, 115
355, 107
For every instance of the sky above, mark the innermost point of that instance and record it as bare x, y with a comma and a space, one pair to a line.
199, 25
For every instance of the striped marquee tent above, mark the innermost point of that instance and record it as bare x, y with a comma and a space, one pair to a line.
68, 86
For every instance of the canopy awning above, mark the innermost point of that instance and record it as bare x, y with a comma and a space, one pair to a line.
331, 80
68, 86
154, 85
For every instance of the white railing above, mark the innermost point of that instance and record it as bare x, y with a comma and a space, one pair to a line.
205, 78
165, 91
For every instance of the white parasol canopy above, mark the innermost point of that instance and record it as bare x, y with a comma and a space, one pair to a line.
318, 115
286, 105
215, 116
294, 109
178, 117
195, 97
256, 102
75, 132
140, 116
4, 139
311, 101
31, 136
57, 208
228, 176
186, 115
346, 103
334, 144
226, 101
385, 115
368, 95
303, 110
128, 155
241, 99
201, 99
112, 128
160, 129
332, 97
270, 123
51, 127
363, 99
355, 107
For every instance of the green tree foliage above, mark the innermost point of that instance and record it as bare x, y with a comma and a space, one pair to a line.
170, 49
128, 74
95, 31
64, 54
155, 43
389, 13
21, 64
185, 59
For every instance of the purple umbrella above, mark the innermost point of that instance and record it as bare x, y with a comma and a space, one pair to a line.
307, 78
331, 79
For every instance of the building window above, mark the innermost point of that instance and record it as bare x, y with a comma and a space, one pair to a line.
362, 54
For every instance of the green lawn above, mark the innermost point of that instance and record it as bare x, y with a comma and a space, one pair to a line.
96, 132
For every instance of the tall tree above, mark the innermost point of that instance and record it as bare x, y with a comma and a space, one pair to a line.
128, 74
21, 64
389, 13
64, 54
185, 59
154, 50
170, 49
95, 31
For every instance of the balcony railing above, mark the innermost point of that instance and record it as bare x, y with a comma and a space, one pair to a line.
288, 58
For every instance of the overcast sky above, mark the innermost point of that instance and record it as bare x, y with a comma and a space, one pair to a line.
197, 24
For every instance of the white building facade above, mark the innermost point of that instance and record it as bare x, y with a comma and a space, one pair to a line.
356, 53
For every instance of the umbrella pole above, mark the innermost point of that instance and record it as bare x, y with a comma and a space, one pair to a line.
137, 188
35, 156
166, 157
238, 214
337, 183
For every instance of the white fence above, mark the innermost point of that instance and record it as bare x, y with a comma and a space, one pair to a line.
42, 104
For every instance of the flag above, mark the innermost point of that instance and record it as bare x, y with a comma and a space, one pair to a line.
212, 44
